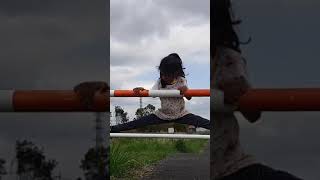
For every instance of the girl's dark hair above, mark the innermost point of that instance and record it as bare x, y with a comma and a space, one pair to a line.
223, 30
170, 65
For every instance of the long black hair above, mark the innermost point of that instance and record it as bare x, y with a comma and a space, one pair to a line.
171, 65
223, 26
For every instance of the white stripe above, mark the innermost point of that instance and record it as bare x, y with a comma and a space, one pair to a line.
111, 93
164, 93
217, 102
172, 136
6, 100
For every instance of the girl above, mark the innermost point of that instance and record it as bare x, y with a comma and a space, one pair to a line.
172, 108
228, 161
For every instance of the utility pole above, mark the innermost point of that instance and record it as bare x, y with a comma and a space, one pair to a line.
140, 102
99, 130
101, 140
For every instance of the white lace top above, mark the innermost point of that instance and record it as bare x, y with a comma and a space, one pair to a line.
228, 156
171, 107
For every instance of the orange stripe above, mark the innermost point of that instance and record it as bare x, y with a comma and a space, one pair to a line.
128, 93
197, 92
302, 99
50, 100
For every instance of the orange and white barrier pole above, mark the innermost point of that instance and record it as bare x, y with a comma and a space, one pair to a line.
303, 99
67, 100
47, 101
159, 93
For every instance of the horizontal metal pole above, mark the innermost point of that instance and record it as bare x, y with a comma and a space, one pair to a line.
303, 99
49, 101
68, 101
294, 99
160, 93
171, 136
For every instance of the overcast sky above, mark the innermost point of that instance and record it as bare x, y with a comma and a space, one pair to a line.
284, 52
144, 31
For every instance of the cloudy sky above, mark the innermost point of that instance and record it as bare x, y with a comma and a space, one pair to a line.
52, 45
145, 31
284, 52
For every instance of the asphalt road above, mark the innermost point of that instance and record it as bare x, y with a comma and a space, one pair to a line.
184, 166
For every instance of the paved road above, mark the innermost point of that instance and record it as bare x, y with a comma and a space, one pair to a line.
184, 166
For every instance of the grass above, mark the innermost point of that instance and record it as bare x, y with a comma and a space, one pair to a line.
129, 156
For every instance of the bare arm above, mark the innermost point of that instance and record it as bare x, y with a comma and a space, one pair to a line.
234, 81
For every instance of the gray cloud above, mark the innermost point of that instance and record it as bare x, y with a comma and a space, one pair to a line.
143, 32
134, 21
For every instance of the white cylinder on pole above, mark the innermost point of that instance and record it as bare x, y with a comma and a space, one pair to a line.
111, 93
217, 102
164, 93
6, 100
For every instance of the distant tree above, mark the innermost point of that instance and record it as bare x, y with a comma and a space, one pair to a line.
149, 109
32, 163
95, 164
2, 168
122, 114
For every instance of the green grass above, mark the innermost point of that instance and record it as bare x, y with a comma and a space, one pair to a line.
128, 155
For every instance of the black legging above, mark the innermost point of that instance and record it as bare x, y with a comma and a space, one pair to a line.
152, 119
260, 172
